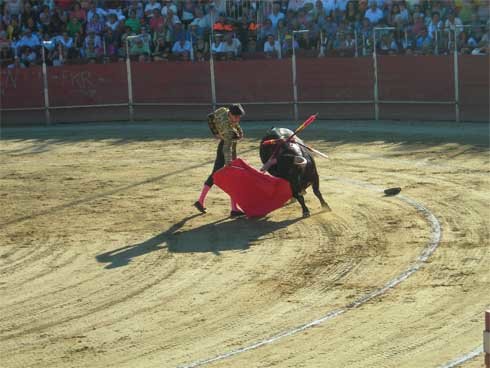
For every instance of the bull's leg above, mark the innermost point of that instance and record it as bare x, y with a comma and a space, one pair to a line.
301, 200
296, 189
316, 190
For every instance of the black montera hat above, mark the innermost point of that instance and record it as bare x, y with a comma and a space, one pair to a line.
236, 109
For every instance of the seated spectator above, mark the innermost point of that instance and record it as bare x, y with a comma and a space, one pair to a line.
192, 32
140, 49
14, 8
28, 56
216, 46
171, 18
344, 45
330, 28
91, 52
145, 36
161, 33
156, 20
276, 14
404, 13
64, 40
374, 14
29, 39
162, 51
95, 25
265, 30
351, 12
195, 30
111, 42
93, 10
151, 8
137, 7
423, 43
94, 38
453, 24
78, 12
182, 49
203, 22
201, 49
188, 12
133, 22
272, 48
418, 24
168, 5
45, 19
483, 46
303, 17
288, 45
394, 15
282, 31
13, 30
178, 32
74, 26
387, 45
27, 14
117, 11
231, 47
219, 24
251, 44
58, 22
435, 25
112, 22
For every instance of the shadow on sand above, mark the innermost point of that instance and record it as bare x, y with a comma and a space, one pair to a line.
222, 235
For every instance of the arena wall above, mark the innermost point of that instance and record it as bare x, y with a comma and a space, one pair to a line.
337, 88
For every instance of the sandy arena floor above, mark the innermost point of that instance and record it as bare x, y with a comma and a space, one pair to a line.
105, 263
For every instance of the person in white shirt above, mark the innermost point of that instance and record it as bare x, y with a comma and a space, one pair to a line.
94, 10
272, 48
65, 40
152, 5
182, 49
168, 5
374, 14
231, 47
113, 22
216, 45
276, 14
29, 39
453, 24
92, 37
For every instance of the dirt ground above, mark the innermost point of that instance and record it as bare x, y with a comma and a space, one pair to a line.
105, 263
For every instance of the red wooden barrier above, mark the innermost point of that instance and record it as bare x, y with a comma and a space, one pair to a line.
401, 78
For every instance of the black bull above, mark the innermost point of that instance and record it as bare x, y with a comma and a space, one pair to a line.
294, 164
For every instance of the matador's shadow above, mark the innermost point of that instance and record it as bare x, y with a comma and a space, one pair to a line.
215, 237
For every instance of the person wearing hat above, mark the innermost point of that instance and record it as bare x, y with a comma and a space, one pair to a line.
225, 126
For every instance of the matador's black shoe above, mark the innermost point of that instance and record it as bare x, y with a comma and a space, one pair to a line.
200, 207
236, 213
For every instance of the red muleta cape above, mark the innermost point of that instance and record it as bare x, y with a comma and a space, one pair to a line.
256, 193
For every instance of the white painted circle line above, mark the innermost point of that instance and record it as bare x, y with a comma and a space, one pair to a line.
426, 253
464, 358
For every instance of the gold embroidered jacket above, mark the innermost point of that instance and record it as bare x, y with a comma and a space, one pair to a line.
221, 126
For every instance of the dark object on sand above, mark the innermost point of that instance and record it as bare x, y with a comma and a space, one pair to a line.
392, 191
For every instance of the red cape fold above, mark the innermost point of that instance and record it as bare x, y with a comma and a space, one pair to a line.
256, 193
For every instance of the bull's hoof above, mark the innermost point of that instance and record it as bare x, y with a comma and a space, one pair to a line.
306, 214
326, 207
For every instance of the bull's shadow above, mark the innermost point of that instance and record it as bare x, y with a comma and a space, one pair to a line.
215, 237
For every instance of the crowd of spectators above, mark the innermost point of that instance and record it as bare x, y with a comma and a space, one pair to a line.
89, 31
